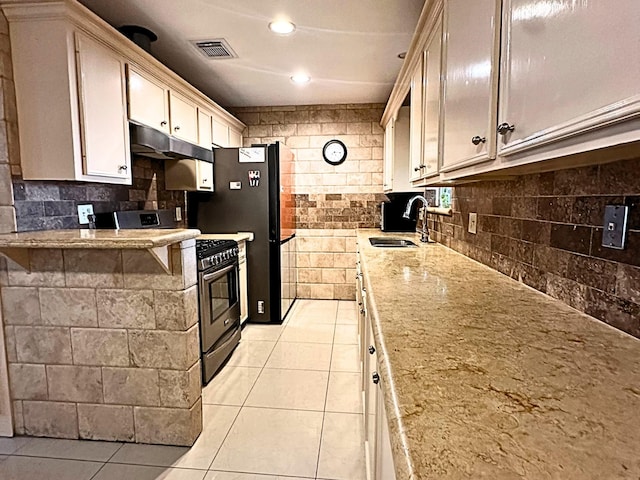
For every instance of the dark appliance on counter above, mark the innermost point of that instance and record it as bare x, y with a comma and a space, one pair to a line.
391, 219
253, 194
219, 302
218, 286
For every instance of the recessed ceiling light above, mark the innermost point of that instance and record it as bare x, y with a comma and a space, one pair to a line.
402, 55
300, 78
282, 27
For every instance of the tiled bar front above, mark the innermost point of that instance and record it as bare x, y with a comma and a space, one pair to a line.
104, 345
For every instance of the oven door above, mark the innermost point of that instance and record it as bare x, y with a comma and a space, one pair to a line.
219, 306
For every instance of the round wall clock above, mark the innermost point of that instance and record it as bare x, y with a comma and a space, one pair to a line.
334, 152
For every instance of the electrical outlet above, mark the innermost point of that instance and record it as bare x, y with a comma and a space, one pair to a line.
615, 226
83, 213
260, 306
473, 223
178, 214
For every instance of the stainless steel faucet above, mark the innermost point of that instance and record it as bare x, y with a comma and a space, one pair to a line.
424, 234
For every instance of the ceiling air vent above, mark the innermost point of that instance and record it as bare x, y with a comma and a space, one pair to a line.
217, 48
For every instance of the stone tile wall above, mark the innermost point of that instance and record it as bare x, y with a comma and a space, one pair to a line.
326, 263
46, 205
545, 230
104, 345
331, 201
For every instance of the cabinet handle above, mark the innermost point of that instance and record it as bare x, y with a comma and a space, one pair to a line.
176, 128
362, 311
477, 140
163, 123
205, 180
375, 377
122, 168
505, 128
372, 349
417, 169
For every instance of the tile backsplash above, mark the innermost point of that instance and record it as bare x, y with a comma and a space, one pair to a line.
338, 210
545, 230
43, 205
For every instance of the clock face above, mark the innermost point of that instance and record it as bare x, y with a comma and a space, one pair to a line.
334, 152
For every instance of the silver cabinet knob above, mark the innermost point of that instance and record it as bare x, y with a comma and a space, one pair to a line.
375, 377
372, 349
477, 140
163, 123
122, 168
505, 128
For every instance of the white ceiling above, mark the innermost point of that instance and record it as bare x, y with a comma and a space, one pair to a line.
348, 47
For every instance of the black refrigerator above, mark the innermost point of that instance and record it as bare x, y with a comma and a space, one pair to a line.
253, 193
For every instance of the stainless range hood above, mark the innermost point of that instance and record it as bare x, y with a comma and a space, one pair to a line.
149, 142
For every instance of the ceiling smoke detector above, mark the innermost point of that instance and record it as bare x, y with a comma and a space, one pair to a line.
216, 48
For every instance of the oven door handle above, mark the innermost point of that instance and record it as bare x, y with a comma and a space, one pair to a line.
218, 273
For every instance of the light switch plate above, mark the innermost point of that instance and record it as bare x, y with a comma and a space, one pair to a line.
615, 226
473, 223
83, 213
178, 214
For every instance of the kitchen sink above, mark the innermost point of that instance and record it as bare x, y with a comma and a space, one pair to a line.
391, 242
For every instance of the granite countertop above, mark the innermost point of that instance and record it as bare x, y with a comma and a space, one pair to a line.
238, 237
484, 377
98, 239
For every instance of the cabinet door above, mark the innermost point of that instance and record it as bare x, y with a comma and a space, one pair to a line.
431, 112
384, 456
220, 132
235, 138
387, 178
204, 129
103, 119
568, 67
148, 100
184, 118
470, 50
370, 407
415, 124
204, 174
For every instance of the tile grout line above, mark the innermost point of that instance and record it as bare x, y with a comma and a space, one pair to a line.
326, 397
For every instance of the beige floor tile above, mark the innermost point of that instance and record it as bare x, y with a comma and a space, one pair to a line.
113, 471
255, 331
217, 420
251, 353
345, 358
342, 447
260, 437
289, 389
346, 335
69, 449
315, 311
344, 393
308, 333
10, 445
211, 475
230, 386
35, 468
300, 356
347, 313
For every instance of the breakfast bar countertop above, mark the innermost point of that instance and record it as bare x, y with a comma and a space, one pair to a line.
484, 377
97, 239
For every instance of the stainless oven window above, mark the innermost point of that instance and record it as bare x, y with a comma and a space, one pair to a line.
222, 291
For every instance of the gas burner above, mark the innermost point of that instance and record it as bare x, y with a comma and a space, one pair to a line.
215, 253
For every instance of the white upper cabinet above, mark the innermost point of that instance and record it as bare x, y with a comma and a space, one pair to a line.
220, 129
431, 104
102, 92
568, 67
387, 175
204, 128
235, 138
148, 99
470, 77
184, 117
415, 123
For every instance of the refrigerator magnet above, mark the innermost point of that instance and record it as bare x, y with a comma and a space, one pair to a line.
254, 178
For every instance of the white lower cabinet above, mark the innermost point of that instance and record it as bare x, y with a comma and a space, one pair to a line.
242, 269
378, 454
